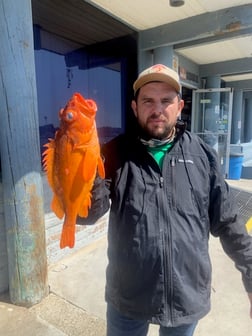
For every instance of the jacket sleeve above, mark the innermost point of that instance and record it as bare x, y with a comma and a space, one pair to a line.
226, 223
99, 202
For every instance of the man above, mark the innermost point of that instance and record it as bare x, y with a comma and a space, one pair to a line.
167, 194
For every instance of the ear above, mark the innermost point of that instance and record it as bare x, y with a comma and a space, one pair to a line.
181, 106
134, 107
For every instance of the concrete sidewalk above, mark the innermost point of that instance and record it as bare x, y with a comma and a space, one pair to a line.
76, 306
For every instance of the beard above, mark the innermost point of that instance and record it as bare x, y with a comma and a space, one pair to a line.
158, 132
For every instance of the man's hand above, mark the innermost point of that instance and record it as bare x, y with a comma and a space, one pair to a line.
250, 299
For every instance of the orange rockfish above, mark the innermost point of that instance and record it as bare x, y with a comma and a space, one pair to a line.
71, 162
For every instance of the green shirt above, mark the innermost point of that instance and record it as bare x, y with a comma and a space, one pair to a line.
158, 152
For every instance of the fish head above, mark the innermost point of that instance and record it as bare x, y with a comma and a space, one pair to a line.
78, 116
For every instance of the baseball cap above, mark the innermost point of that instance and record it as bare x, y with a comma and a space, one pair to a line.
157, 73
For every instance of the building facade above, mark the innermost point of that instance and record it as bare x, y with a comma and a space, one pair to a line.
100, 57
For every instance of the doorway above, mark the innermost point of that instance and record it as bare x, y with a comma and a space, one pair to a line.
211, 120
186, 114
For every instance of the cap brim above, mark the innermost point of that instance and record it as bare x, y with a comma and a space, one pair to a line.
156, 77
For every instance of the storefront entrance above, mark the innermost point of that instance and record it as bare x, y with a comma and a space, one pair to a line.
211, 120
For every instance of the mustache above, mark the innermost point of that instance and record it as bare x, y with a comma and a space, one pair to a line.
155, 117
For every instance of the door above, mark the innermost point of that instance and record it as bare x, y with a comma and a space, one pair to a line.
211, 120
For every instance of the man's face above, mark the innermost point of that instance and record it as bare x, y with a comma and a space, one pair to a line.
157, 109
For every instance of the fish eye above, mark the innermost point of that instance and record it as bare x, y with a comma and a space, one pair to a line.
69, 116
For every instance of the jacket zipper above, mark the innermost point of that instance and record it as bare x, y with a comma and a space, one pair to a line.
173, 184
166, 242
169, 274
169, 240
161, 182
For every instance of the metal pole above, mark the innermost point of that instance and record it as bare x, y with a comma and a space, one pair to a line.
20, 156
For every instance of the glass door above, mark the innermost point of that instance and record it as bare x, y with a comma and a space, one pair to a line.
211, 120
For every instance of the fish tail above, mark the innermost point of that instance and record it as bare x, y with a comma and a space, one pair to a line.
67, 236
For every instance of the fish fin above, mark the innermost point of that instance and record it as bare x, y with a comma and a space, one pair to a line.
48, 161
57, 207
101, 169
90, 165
83, 212
67, 236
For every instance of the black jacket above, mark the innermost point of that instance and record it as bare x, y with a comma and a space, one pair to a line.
159, 224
